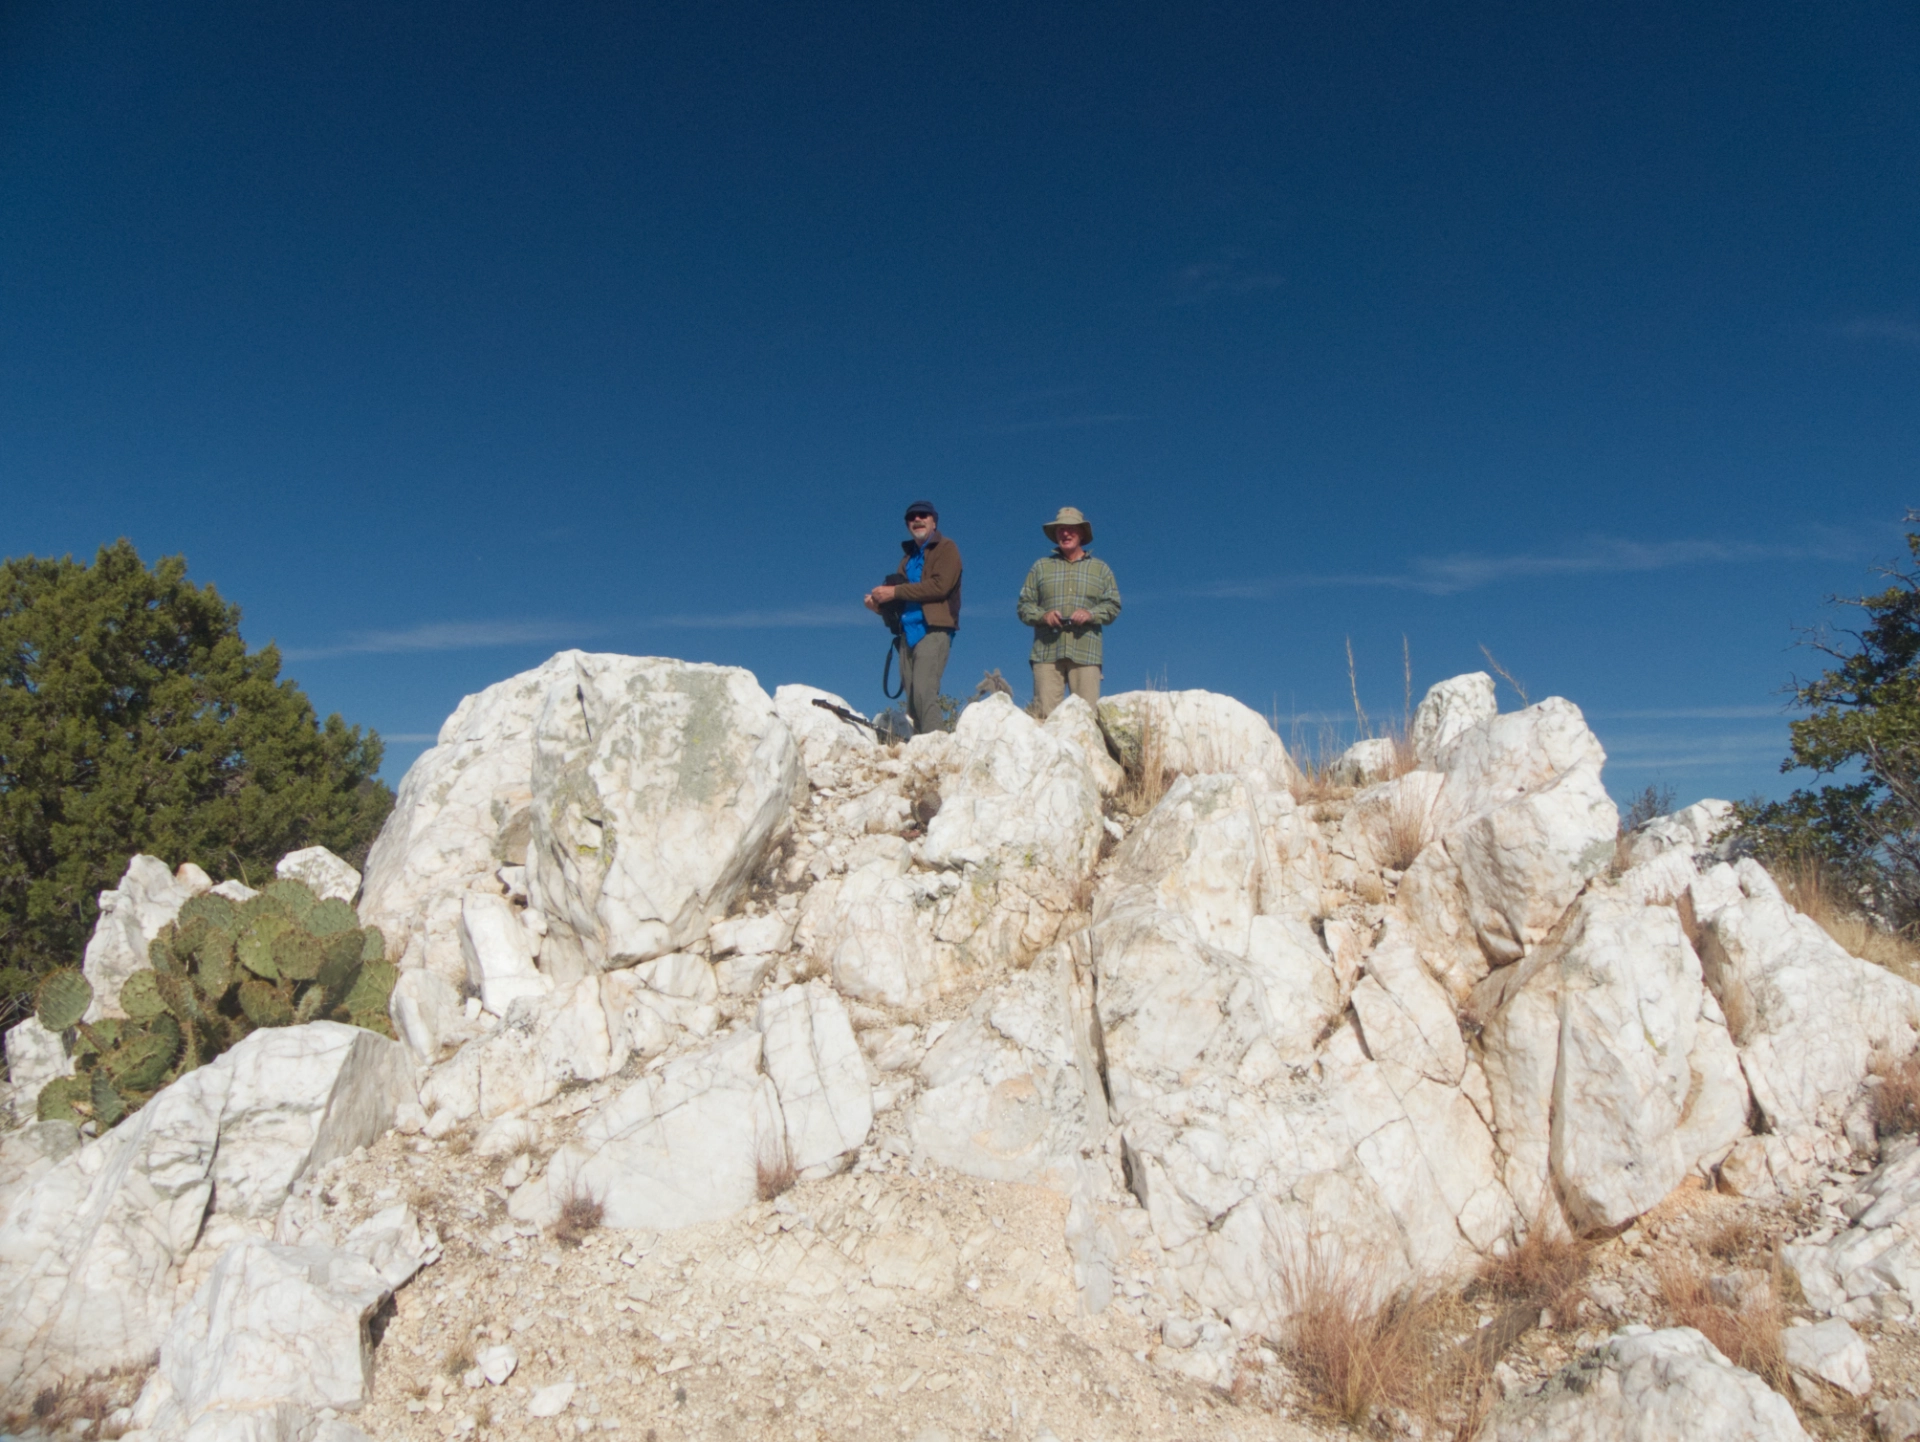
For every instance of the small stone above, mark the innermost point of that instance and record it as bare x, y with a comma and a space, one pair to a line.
1831, 1352
497, 1363
550, 1401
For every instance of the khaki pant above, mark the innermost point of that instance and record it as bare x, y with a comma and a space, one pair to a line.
1053, 679
921, 668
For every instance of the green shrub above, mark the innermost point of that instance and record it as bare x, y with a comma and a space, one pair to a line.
133, 718
1865, 720
220, 971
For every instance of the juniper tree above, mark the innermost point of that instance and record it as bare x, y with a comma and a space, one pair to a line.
1865, 726
133, 718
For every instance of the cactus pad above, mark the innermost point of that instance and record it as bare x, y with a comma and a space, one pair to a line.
63, 999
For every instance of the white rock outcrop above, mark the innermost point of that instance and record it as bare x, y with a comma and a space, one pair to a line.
1671, 1386
826, 741
92, 1251
272, 1327
497, 946
1196, 733
1448, 710
685, 1145
35, 1056
1610, 1068
323, 873
148, 897
463, 810
817, 1070
1078, 724
657, 787
1808, 1017
1870, 1272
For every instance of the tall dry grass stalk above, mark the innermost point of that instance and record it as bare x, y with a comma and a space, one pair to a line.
1147, 773
1811, 890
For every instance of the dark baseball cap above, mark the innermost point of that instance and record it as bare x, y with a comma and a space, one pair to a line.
922, 508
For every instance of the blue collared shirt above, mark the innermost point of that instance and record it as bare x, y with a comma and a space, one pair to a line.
913, 620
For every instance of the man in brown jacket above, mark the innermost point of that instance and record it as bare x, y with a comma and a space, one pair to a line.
930, 611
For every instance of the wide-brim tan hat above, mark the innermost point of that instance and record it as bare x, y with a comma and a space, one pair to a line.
1069, 517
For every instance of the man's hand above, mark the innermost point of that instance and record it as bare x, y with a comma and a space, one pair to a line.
878, 596
1080, 618
1052, 618
870, 603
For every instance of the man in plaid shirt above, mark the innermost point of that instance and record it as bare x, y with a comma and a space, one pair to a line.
1068, 597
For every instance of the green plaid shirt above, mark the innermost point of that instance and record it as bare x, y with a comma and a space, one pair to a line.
1068, 586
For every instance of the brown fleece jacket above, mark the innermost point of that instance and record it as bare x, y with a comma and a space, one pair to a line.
937, 592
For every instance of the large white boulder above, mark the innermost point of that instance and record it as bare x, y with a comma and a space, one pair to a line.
1692, 831
1220, 850
91, 1252
1076, 723
1608, 1065
658, 785
1671, 1386
1808, 1016
638, 792
462, 812
1450, 708
1011, 1091
323, 873
826, 740
873, 931
1523, 824
1196, 732
1019, 796
148, 897
581, 1032
35, 1056
818, 1071
272, 1327
498, 949
690, 1143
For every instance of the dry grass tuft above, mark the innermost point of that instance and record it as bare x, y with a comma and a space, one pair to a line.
1359, 1359
773, 1171
580, 1214
1409, 828
1746, 1329
1811, 890
1737, 1239
1542, 1273
1896, 1100
89, 1399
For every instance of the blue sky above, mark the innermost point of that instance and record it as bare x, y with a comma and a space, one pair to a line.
443, 336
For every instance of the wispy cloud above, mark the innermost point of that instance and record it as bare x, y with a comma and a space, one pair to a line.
791, 618
1662, 753
484, 635
1694, 713
1058, 423
1468, 571
1230, 272
442, 636
1883, 328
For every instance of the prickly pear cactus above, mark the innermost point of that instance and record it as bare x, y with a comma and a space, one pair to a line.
220, 971
63, 999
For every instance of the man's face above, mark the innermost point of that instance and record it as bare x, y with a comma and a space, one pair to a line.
1067, 538
920, 525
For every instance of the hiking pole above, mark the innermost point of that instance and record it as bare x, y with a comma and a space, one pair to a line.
845, 715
